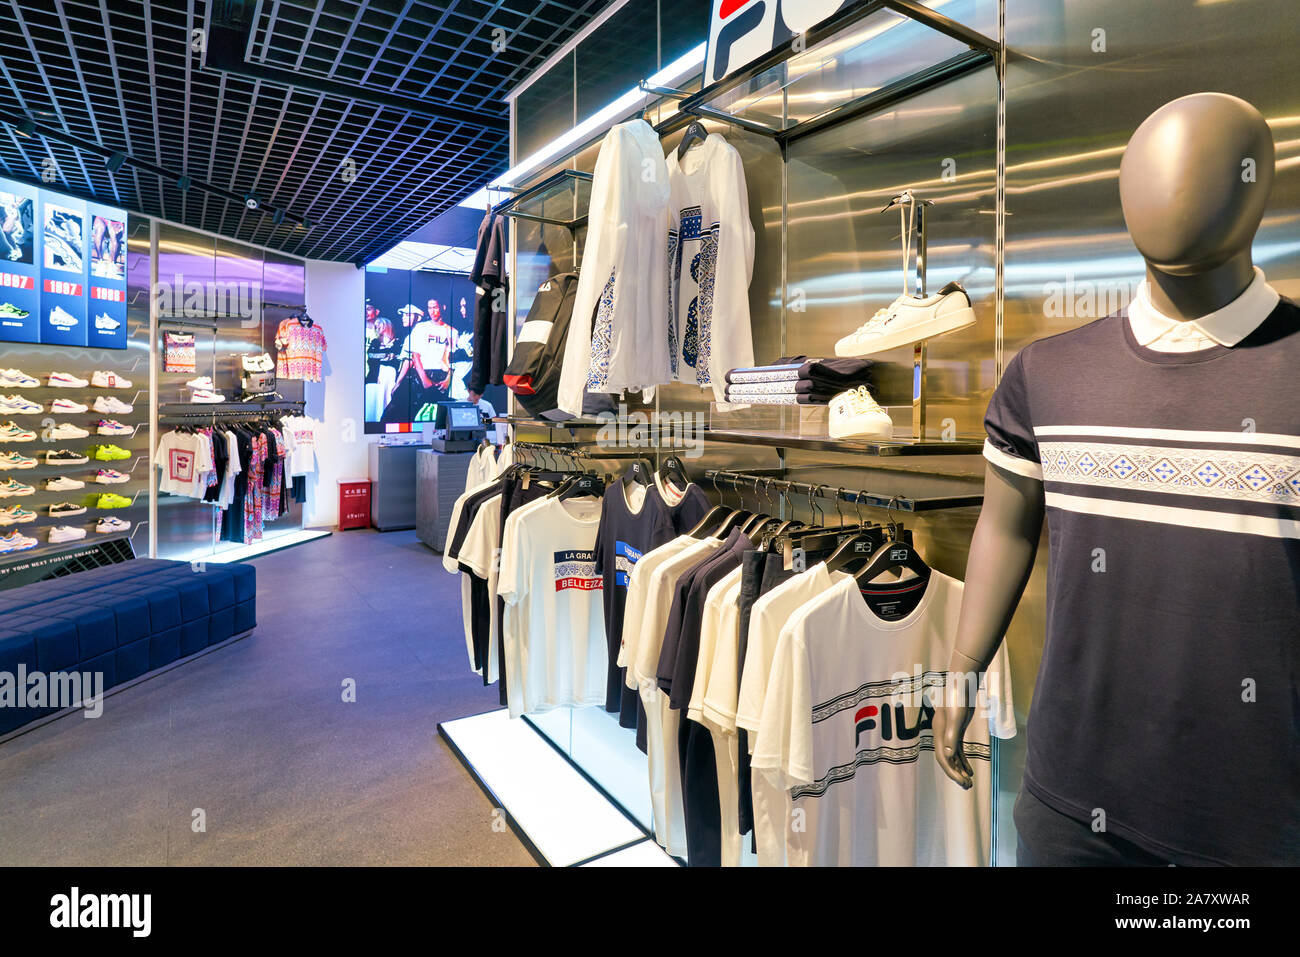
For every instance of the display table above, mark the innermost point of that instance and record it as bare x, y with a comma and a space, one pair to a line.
439, 481
392, 493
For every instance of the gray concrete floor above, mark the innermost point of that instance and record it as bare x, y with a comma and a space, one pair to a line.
257, 735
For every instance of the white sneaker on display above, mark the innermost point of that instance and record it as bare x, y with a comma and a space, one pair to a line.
105, 321
62, 483
109, 380
66, 407
108, 525
202, 382
17, 379
62, 380
856, 415
17, 405
66, 430
66, 533
203, 395
908, 320
110, 404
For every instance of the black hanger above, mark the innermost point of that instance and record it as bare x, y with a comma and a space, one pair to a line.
639, 472
695, 132
672, 470
582, 486
894, 554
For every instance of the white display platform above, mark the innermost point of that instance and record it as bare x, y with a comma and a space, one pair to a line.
557, 812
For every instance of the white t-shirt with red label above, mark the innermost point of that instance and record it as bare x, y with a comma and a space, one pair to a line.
185, 460
555, 639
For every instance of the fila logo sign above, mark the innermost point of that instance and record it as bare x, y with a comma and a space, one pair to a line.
741, 31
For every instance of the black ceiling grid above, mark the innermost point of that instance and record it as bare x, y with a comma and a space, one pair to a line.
124, 76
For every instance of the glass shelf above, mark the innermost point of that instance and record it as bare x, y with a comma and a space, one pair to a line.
559, 200
899, 446
861, 61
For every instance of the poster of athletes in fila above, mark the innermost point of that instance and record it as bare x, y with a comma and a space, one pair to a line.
62, 269
419, 345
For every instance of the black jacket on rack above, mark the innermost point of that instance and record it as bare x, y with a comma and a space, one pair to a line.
491, 308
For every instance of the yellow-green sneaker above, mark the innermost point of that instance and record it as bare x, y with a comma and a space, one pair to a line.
109, 500
111, 453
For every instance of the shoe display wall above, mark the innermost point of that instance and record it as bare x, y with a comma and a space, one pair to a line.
60, 488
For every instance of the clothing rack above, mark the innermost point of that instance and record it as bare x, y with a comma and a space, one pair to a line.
763, 483
226, 410
571, 450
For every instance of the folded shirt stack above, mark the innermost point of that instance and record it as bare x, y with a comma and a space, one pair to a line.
797, 380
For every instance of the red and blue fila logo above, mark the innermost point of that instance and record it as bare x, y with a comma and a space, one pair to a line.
892, 722
741, 31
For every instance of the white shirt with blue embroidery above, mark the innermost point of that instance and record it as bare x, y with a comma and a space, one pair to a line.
710, 265
618, 339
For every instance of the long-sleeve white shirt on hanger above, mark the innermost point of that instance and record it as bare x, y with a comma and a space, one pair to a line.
710, 264
619, 336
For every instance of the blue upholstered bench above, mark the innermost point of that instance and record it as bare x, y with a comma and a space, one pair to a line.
121, 620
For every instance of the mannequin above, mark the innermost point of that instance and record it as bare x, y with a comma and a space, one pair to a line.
1192, 214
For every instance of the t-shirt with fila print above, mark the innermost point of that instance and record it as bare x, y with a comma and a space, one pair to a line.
847, 726
555, 650
1166, 698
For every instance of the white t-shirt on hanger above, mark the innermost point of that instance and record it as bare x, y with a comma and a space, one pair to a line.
846, 726
548, 561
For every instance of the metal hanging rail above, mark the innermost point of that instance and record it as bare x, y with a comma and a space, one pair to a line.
565, 180
761, 483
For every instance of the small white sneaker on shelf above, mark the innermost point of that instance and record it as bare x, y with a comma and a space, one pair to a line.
856, 415
14, 433
908, 320
66, 430
111, 477
202, 382
17, 405
203, 395
113, 427
17, 379
62, 483
109, 525
67, 407
110, 404
63, 380
109, 380
66, 533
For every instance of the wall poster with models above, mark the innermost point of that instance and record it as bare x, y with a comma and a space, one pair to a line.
419, 345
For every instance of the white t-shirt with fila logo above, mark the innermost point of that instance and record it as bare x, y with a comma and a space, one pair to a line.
185, 460
846, 726
554, 632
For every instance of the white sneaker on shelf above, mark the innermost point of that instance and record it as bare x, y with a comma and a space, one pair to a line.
17, 405
62, 380
856, 415
111, 405
203, 395
106, 526
908, 320
17, 379
14, 542
113, 427
13, 433
66, 430
66, 533
62, 483
67, 407
202, 382
109, 380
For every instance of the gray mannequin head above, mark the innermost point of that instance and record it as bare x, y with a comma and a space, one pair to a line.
1191, 200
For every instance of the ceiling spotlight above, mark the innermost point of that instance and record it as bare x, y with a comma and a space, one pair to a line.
251, 201
183, 183
25, 127
115, 161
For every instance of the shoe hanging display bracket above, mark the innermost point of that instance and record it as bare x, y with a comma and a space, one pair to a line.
915, 223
